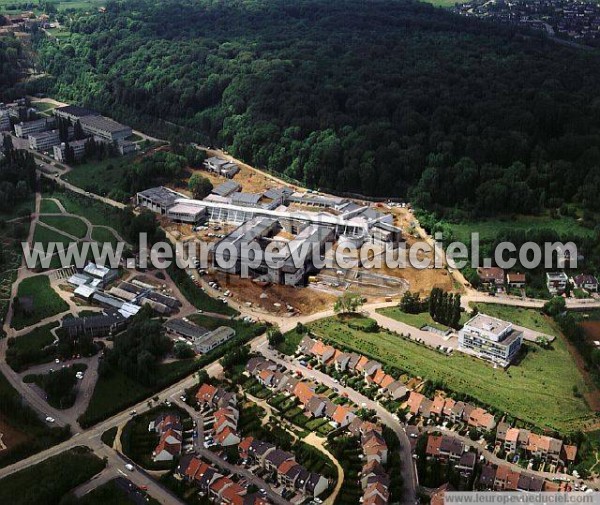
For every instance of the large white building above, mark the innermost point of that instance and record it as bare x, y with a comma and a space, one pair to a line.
491, 339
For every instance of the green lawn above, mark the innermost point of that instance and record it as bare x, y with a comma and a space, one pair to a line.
530, 318
95, 212
444, 3
538, 390
103, 235
71, 225
46, 301
100, 177
15, 6
44, 108
31, 348
44, 236
48, 481
49, 207
416, 320
489, 229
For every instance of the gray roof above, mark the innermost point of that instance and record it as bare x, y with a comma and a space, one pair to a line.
226, 188
278, 456
185, 328
103, 123
276, 193
239, 198
160, 195
249, 231
91, 322
75, 110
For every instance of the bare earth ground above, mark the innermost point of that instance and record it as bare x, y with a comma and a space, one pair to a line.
304, 300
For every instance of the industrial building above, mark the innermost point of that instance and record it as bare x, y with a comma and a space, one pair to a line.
186, 213
104, 274
74, 113
491, 339
202, 339
78, 147
105, 129
221, 167
226, 188
159, 199
23, 130
101, 325
300, 248
42, 141
214, 339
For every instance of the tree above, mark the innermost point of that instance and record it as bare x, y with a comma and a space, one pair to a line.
555, 306
199, 185
274, 336
347, 303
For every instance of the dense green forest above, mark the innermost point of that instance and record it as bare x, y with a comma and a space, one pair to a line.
388, 98
11, 53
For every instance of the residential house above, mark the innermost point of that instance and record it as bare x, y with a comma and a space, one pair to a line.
487, 478
343, 416
516, 280
466, 463
587, 282
275, 458
451, 449
374, 447
492, 276
530, 483
414, 402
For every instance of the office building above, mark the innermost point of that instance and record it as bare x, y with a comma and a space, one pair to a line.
491, 339
43, 141
105, 129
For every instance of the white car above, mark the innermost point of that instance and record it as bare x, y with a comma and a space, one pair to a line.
50, 419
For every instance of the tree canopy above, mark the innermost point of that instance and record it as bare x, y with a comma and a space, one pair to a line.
397, 99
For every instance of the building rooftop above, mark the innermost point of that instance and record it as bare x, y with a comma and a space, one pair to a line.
185, 328
161, 195
239, 198
103, 123
226, 188
75, 110
489, 324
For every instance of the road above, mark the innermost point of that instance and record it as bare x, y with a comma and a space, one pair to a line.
407, 468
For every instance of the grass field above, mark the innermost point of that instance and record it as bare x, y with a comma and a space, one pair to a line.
444, 3
69, 224
104, 235
46, 301
489, 229
48, 481
48, 207
416, 320
61, 5
44, 236
100, 177
538, 390
95, 212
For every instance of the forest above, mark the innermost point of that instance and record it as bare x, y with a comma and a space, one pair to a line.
399, 99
